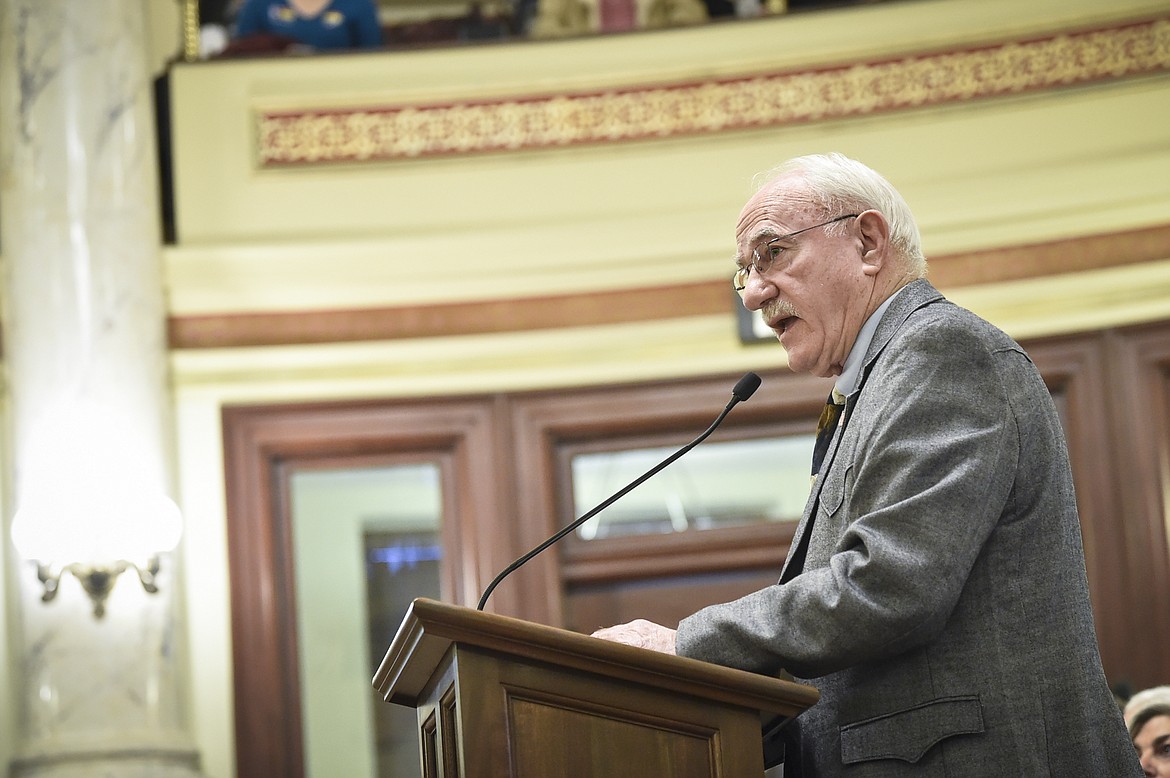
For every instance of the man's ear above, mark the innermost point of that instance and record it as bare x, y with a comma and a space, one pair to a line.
875, 241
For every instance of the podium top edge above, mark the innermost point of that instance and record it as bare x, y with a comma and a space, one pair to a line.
431, 627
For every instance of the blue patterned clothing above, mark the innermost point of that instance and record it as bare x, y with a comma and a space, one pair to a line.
343, 24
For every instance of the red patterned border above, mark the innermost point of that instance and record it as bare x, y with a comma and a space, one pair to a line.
763, 100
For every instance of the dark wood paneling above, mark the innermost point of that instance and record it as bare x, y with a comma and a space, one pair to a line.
267, 688
661, 599
506, 454
1074, 370
263, 446
1138, 412
544, 425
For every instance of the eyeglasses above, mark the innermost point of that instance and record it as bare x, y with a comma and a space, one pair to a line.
763, 263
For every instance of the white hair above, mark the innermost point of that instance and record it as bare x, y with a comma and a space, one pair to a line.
1154, 696
834, 184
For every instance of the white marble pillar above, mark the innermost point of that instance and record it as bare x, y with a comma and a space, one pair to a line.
88, 401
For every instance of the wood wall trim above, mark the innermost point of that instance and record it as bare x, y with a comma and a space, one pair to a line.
1139, 422
263, 445
545, 422
1039, 260
267, 689
451, 319
622, 306
1113, 385
1074, 370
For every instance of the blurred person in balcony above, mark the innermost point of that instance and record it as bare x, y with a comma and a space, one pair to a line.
935, 590
305, 25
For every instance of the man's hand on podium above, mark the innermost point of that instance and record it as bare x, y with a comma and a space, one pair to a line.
640, 633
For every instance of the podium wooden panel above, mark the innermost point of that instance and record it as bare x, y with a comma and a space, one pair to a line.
498, 696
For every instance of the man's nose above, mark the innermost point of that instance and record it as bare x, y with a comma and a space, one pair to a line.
757, 290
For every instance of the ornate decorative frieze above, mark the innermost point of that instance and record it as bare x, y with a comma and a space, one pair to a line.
390, 132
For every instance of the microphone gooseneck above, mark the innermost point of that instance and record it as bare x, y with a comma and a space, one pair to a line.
744, 388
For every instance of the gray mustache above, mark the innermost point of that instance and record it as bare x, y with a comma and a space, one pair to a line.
777, 308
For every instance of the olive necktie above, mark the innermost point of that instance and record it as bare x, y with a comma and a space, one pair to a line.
826, 427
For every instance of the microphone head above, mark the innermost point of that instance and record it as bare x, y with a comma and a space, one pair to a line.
746, 387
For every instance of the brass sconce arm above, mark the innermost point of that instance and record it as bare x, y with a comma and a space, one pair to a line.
97, 579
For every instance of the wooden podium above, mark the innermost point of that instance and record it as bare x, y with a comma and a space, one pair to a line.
498, 696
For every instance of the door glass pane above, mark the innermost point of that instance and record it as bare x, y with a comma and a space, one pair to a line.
365, 543
717, 484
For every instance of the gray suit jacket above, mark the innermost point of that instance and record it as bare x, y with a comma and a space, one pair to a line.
942, 609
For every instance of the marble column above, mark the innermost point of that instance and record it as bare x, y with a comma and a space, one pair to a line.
88, 402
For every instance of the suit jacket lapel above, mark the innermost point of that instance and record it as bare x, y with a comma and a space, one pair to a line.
916, 295
794, 563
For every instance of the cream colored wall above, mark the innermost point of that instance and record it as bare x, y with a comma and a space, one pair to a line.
1034, 167
998, 172
164, 28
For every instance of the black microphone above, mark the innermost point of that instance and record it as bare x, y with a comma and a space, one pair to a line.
744, 388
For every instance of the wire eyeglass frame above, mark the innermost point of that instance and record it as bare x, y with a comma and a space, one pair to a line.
762, 264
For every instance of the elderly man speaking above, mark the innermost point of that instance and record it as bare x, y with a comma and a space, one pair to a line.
935, 592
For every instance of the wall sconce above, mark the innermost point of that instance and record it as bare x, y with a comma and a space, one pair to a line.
96, 544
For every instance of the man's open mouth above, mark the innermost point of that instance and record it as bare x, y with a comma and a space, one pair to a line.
781, 325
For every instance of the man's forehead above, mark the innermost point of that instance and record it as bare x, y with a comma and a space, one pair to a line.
770, 213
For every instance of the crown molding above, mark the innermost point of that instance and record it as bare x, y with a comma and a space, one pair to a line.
378, 133
968, 270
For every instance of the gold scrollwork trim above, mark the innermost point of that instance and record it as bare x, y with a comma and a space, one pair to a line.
190, 11
763, 100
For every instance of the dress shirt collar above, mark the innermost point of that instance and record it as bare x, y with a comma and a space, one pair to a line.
851, 374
